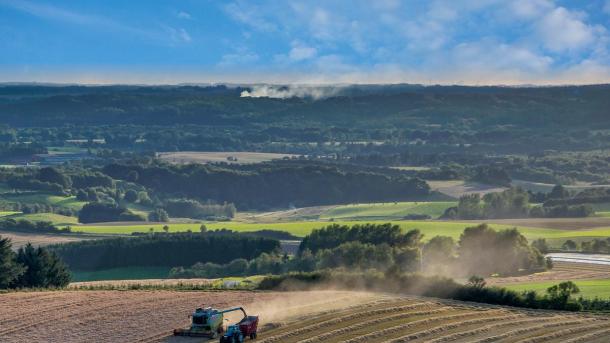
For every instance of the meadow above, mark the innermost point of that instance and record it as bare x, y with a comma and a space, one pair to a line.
301, 228
588, 288
390, 210
127, 273
41, 198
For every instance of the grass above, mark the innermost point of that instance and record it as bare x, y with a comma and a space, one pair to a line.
601, 210
389, 210
127, 273
588, 288
56, 219
302, 228
8, 213
55, 200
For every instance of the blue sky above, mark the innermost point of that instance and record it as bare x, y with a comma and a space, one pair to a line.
313, 41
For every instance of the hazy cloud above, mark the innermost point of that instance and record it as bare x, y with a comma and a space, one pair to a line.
562, 30
291, 91
183, 15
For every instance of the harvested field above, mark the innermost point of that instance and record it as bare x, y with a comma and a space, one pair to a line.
228, 157
457, 188
560, 272
21, 238
329, 316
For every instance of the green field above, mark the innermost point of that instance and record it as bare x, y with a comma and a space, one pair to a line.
391, 210
56, 219
302, 228
588, 288
7, 213
602, 210
127, 273
55, 200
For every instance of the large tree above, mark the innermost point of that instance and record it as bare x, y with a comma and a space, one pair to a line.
9, 269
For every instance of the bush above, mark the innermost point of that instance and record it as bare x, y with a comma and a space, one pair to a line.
96, 212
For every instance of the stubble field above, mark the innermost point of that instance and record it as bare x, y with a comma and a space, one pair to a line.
329, 316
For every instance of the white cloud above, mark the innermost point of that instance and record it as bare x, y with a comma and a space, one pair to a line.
247, 14
239, 58
562, 30
530, 9
183, 15
301, 52
178, 35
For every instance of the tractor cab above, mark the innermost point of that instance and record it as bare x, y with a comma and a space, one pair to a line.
232, 335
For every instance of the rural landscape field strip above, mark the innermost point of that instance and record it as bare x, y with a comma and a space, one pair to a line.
366, 324
560, 271
400, 327
602, 333
467, 335
346, 318
425, 333
66, 312
563, 333
540, 324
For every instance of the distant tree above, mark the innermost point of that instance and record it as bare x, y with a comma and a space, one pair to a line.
43, 268
569, 245
158, 215
9, 269
52, 175
560, 294
81, 195
131, 196
132, 176
559, 192
438, 254
203, 228
541, 245
144, 199
166, 228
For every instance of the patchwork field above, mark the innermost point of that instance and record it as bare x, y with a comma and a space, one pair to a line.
329, 316
457, 188
390, 210
211, 157
19, 239
430, 229
55, 200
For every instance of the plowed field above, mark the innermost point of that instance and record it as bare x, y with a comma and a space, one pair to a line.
150, 316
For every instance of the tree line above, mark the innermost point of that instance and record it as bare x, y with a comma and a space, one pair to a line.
30, 267
271, 185
480, 251
162, 249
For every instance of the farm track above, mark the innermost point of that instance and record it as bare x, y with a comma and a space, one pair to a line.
308, 317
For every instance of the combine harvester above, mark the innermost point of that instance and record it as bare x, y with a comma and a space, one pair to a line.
208, 322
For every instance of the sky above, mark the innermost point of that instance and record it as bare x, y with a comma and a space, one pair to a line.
474, 42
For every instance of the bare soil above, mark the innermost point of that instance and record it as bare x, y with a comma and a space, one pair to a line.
329, 316
211, 157
20, 238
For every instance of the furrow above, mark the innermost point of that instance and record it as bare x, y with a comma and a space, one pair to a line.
449, 326
560, 333
347, 317
487, 328
520, 331
360, 325
401, 327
